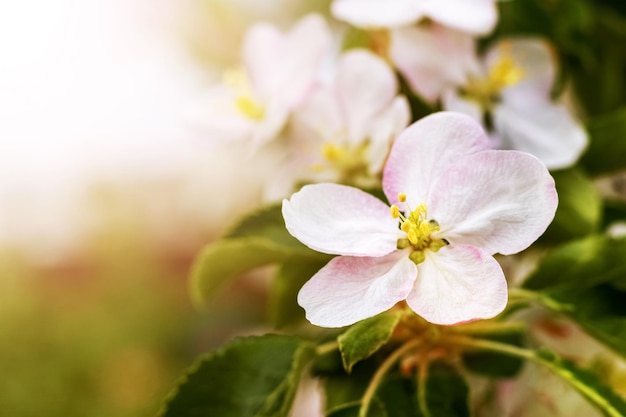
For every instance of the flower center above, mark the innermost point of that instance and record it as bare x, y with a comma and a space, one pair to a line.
347, 160
418, 229
503, 73
244, 100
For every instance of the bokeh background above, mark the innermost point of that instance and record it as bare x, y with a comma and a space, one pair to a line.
106, 195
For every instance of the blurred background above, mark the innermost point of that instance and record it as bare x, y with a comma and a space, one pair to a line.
106, 196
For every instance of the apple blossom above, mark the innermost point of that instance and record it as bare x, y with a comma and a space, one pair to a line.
279, 70
509, 90
472, 16
512, 93
455, 203
343, 132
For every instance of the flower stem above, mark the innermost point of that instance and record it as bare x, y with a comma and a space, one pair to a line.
326, 348
593, 396
368, 396
524, 295
422, 376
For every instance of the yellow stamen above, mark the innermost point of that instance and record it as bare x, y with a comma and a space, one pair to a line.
418, 231
395, 211
331, 152
505, 73
245, 104
249, 108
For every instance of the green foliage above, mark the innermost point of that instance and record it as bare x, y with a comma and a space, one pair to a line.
607, 147
249, 377
585, 280
365, 338
580, 207
290, 277
585, 382
447, 393
493, 364
600, 310
259, 239
581, 263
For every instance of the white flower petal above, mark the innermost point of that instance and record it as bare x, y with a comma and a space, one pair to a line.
215, 116
457, 284
341, 220
451, 101
477, 17
349, 289
283, 67
365, 86
537, 61
384, 129
545, 130
425, 150
431, 58
499, 201
377, 13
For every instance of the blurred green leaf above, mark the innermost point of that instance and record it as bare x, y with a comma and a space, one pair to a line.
494, 364
447, 393
580, 264
607, 148
580, 207
250, 377
259, 239
290, 277
365, 338
600, 310
601, 396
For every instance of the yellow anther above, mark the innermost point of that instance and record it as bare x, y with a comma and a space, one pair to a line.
412, 235
402, 197
331, 152
395, 211
246, 106
505, 73
424, 229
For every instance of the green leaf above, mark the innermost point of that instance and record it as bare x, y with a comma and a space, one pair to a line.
259, 239
582, 263
600, 310
447, 393
249, 377
607, 148
494, 364
580, 208
364, 338
290, 277
585, 382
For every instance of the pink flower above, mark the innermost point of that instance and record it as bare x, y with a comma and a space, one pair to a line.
472, 16
279, 71
455, 203
509, 89
343, 132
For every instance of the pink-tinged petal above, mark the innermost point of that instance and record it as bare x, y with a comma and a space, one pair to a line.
283, 67
547, 131
349, 289
451, 101
384, 129
341, 220
215, 116
537, 61
318, 119
499, 201
458, 284
425, 150
365, 86
378, 13
431, 58
477, 17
